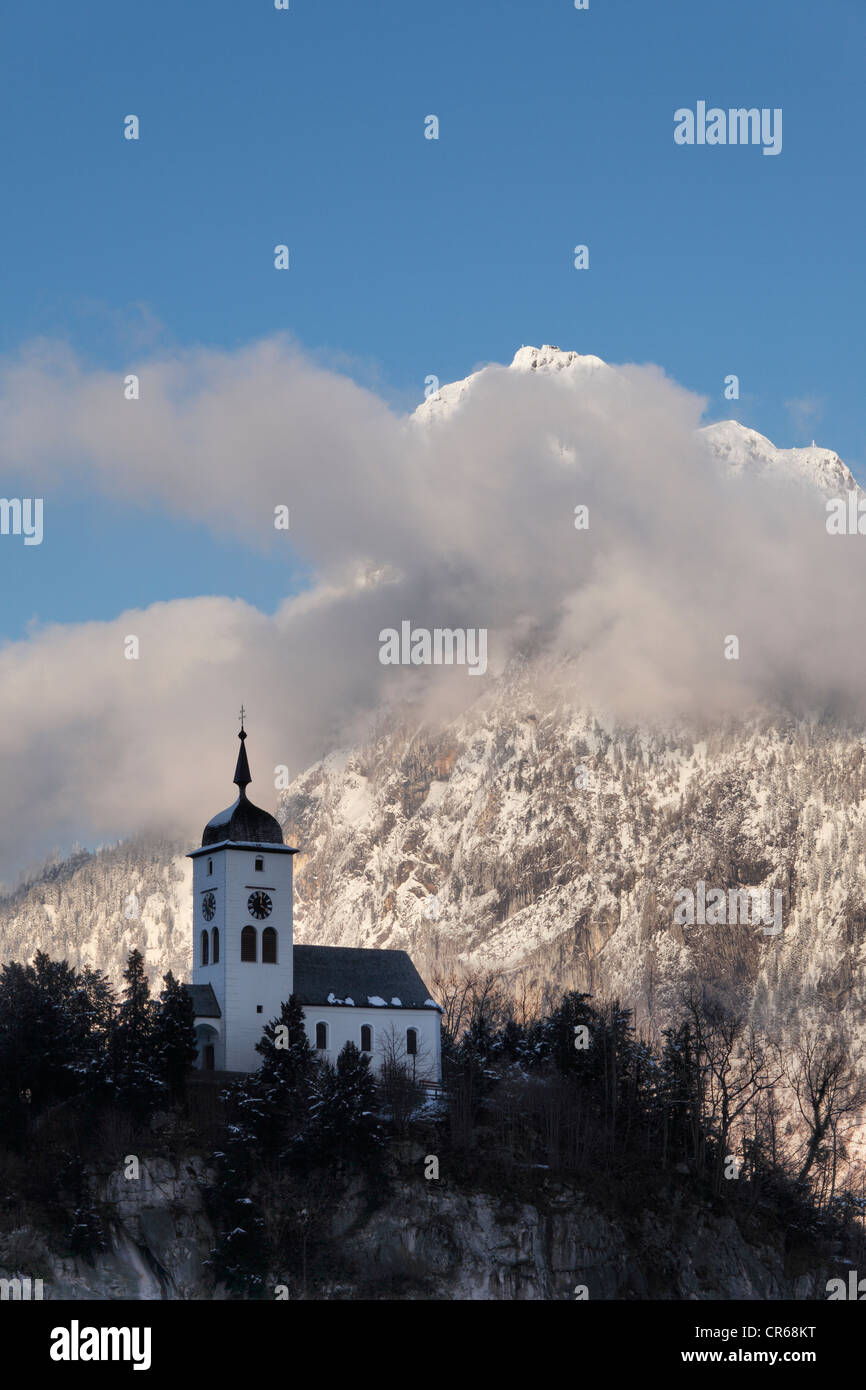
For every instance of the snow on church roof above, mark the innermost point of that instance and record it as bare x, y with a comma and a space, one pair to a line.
329, 974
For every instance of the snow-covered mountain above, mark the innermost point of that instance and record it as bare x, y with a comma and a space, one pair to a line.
537, 836
527, 359
739, 449
745, 451
529, 836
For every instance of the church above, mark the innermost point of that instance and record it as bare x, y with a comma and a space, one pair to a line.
245, 962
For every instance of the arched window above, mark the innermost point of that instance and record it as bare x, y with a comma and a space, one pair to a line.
366, 1037
215, 953
269, 946
204, 948
412, 1041
322, 1036
260, 864
248, 943
210, 866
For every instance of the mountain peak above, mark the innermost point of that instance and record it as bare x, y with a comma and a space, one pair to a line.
550, 358
547, 358
741, 450
744, 450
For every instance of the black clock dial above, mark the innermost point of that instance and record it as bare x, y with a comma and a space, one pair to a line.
259, 905
208, 906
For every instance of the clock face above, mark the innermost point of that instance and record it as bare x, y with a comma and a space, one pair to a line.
208, 906
259, 905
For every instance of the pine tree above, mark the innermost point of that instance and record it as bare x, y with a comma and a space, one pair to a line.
51, 1032
345, 1126
285, 1046
288, 1069
132, 1064
174, 1044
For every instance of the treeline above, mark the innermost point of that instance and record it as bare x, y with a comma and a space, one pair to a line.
577, 1088
67, 1039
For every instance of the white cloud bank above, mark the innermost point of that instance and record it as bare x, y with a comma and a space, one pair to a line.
468, 523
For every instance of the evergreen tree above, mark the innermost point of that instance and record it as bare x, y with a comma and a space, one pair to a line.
345, 1126
287, 1072
133, 1071
285, 1047
51, 1032
174, 1045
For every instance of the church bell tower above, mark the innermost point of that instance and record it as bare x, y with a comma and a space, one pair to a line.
242, 928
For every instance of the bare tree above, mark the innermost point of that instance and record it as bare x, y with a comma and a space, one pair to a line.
401, 1074
828, 1092
735, 1066
466, 996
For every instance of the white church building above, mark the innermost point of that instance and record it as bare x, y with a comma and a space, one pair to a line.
245, 962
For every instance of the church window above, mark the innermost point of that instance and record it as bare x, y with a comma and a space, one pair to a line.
204, 959
215, 953
260, 864
269, 946
366, 1038
322, 1036
412, 1041
210, 866
248, 944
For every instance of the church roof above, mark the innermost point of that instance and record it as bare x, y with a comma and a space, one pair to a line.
350, 972
242, 822
204, 1001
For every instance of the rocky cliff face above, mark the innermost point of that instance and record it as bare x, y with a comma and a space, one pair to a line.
527, 835
426, 1241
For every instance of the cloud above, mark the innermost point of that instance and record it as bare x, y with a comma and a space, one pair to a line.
465, 523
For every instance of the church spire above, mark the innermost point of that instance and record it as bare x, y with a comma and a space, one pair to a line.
242, 776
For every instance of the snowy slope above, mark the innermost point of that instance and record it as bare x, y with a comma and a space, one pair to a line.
745, 451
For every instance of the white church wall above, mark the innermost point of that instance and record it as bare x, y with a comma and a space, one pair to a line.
345, 1022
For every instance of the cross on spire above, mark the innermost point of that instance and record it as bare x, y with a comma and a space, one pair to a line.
242, 776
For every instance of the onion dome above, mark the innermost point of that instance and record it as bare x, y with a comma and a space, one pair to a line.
242, 823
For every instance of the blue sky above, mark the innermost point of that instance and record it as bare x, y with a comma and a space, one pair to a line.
409, 256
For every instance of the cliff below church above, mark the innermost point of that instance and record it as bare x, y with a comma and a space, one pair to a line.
428, 1240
